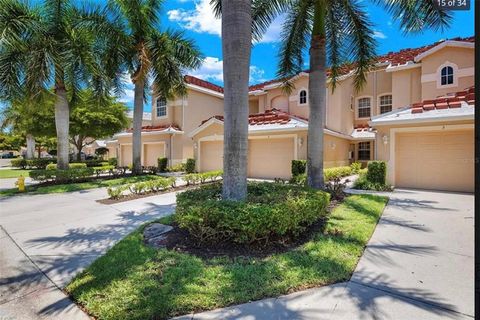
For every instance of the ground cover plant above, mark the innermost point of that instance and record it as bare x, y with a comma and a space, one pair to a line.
133, 281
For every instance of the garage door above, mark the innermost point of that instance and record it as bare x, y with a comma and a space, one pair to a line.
435, 160
153, 151
211, 155
126, 152
270, 158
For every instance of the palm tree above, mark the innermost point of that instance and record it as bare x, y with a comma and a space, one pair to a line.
341, 31
236, 18
163, 56
54, 45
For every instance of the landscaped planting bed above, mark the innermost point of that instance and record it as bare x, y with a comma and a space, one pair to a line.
134, 281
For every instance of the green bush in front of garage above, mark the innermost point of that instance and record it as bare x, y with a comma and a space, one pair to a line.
374, 178
162, 164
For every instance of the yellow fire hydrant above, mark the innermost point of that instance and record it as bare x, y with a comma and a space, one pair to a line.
21, 184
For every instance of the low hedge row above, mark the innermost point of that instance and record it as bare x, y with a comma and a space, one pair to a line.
271, 212
330, 174
162, 183
194, 178
42, 163
62, 176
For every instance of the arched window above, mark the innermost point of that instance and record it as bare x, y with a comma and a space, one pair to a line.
303, 97
446, 76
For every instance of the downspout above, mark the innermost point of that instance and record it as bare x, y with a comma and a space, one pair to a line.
171, 148
376, 109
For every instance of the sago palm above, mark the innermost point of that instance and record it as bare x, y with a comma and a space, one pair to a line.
334, 32
55, 45
150, 54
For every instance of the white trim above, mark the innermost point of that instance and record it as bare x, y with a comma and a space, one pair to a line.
205, 90
448, 43
378, 102
148, 133
392, 136
405, 66
422, 120
356, 107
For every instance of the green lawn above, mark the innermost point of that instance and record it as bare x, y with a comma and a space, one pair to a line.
78, 186
132, 281
13, 173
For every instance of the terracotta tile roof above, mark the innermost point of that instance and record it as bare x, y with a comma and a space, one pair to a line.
202, 83
449, 101
157, 128
394, 58
272, 116
360, 128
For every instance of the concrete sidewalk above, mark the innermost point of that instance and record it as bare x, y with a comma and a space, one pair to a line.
419, 264
49, 238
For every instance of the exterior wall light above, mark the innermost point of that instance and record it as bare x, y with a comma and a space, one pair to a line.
300, 142
385, 139
195, 145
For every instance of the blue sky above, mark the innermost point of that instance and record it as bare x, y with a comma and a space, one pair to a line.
196, 18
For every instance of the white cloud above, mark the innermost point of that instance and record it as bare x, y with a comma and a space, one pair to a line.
201, 19
212, 70
127, 96
379, 35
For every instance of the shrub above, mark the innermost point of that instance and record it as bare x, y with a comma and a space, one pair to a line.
94, 163
301, 179
160, 184
51, 166
298, 167
116, 192
336, 188
113, 162
271, 211
176, 168
39, 163
363, 184
192, 178
336, 172
162, 164
377, 172
190, 166
61, 176
19, 163
103, 169
356, 166
138, 188
77, 165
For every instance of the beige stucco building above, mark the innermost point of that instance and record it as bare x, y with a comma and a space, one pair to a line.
357, 126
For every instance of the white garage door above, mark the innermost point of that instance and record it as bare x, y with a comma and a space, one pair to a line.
435, 160
270, 158
211, 155
126, 153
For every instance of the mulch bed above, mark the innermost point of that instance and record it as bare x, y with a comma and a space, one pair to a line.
179, 240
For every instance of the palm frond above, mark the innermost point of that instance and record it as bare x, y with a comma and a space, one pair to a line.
217, 7
334, 32
264, 13
359, 40
416, 15
295, 38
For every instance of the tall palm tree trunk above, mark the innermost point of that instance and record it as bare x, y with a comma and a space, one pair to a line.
236, 45
317, 100
30, 146
137, 127
62, 122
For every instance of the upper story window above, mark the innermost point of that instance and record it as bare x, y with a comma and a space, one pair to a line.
161, 107
303, 97
364, 107
385, 103
446, 76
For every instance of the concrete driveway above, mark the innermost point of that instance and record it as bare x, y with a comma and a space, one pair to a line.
419, 264
47, 239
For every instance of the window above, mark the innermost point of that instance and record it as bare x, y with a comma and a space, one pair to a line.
385, 104
364, 151
161, 107
303, 97
364, 108
446, 75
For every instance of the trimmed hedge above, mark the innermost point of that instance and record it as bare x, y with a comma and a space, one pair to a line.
32, 163
155, 185
69, 175
194, 178
19, 163
377, 172
162, 164
113, 162
299, 167
75, 165
272, 211
190, 166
